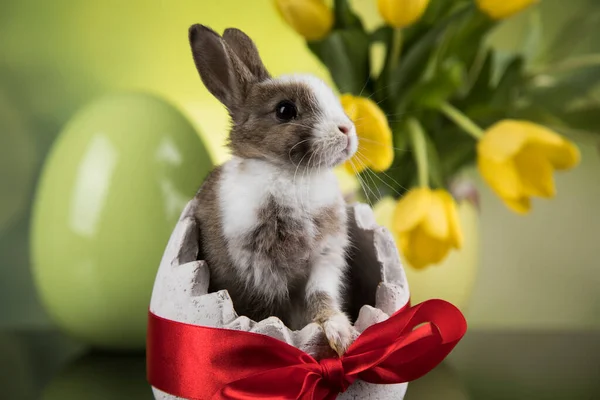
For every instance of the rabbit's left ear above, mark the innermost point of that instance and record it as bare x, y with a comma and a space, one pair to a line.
245, 49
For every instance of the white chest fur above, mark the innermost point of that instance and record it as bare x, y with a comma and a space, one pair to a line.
247, 185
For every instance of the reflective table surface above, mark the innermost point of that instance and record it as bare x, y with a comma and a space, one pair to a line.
486, 365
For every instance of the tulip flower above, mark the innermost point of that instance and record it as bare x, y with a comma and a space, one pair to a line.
312, 19
375, 149
517, 159
402, 13
426, 226
500, 9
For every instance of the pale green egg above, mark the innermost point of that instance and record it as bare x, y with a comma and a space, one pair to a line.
111, 192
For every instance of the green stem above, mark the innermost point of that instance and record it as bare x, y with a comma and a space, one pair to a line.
461, 120
396, 48
419, 144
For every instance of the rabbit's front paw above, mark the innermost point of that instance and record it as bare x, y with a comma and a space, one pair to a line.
339, 332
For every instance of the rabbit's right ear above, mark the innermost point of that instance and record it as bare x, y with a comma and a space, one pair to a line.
245, 49
221, 71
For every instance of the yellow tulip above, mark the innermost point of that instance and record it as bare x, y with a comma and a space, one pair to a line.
517, 159
402, 13
375, 149
426, 226
312, 19
500, 9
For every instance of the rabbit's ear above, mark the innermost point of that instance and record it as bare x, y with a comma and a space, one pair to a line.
223, 74
246, 51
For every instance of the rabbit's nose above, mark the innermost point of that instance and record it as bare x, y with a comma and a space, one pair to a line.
344, 129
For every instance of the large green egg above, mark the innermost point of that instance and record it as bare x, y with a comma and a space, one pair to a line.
111, 192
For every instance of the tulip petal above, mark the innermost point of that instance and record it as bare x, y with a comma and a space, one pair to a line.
499, 9
502, 177
403, 242
421, 249
376, 137
535, 172
435, 222
520, 206
506, 138
562, 153
564, 156
455, 234
312, 19
411, 209
350, 106
402, 13
502, 141
375, 149
517, 159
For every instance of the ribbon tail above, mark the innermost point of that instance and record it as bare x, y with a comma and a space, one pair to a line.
396, 351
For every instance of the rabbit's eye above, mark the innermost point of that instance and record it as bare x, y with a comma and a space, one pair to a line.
286, 111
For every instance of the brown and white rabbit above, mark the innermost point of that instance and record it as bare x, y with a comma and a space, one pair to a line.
273, 219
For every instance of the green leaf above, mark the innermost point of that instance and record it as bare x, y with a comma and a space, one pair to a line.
586, 119
344, 16
535, 112
531, 44
435, 167
579, 80
346, 54
571, 34
382, 34
558, 92
413, 62
441, 86
458, 150
467, 35
438, 9
481, 89
507, 90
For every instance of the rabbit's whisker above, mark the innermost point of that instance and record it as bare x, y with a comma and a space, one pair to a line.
384, 173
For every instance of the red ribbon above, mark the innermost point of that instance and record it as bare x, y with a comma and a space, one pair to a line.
198, 362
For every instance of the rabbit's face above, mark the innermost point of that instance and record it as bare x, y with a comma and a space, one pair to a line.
294, 121
290, 121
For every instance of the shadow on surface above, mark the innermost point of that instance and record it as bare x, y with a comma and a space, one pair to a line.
99, 376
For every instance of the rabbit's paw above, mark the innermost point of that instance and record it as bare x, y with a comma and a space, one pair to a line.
339, 332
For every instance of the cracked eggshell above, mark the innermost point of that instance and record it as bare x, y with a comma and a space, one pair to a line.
377, 289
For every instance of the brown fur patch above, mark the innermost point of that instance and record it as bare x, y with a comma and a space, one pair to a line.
327, 221
320, 307
208, 215
246, 51
278, 235
257, 133
278, 239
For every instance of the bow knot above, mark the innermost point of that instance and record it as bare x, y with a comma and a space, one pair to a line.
332, 372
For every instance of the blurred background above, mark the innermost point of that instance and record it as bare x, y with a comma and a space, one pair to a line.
75, 72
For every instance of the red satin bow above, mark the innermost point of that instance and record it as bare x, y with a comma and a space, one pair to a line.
197, 362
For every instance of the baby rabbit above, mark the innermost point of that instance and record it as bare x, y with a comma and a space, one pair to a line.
273, 220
